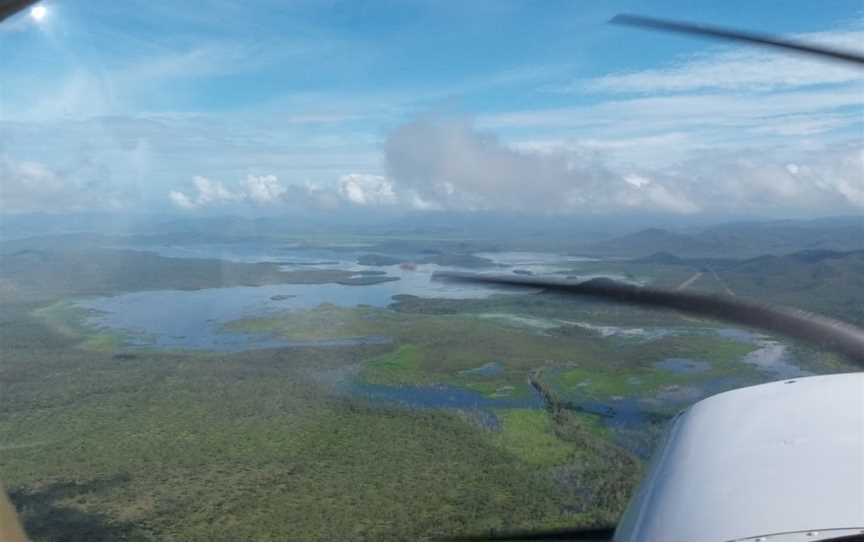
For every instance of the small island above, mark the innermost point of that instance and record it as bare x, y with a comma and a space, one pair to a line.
378, 260
365, 280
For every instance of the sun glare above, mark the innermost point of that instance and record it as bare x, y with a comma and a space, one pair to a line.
38, 12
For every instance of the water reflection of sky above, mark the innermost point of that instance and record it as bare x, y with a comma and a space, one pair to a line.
683, 365
252, 252
535, 262
192, 319
443, 397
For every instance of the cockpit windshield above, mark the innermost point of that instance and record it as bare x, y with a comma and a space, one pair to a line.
222, 224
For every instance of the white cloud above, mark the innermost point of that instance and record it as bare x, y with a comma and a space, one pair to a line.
828, 179
737, 69
740, 130
213, 192
259, 190
806, 124
181, 200
29, 186
666, 131
363, 189
264, 189
661, 115
667, 200
637, 180
447, 163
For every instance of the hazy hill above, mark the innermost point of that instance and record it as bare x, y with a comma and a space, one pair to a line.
740, 240
786, 236
824, 281
38, 274
651, 241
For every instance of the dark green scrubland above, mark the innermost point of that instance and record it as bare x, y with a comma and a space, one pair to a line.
101, 445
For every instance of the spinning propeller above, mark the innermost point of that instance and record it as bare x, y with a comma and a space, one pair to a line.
825, 332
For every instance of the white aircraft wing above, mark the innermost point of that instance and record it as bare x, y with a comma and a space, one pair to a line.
775, 462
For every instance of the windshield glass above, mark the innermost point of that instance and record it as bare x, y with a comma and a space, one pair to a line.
221, 221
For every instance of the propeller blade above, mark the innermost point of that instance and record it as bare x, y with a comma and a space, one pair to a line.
765, 40
9, 8
815, 329
601, 533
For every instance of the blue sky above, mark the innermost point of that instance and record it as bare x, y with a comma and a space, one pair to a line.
537, 107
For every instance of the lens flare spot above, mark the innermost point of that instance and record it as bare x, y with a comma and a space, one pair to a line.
38, 12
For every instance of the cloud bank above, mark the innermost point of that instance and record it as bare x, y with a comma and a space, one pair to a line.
449, 164
255, 190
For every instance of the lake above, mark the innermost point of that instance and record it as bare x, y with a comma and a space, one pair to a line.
192, 319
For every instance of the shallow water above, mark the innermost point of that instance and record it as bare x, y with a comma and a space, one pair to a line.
774, 357
631, 421
535, 262
442, 397
522, 321
492, 368
630, 332
193, 319
682, 365
252, 252
737, 334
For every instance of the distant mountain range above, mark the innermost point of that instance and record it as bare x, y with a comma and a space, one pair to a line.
738, 240
594, 236
826, 281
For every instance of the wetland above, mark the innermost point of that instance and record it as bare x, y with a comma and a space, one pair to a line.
180, 391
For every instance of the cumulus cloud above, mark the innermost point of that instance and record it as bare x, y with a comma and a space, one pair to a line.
666, 199
29, 186
213, 192
181, 200
364, 189
256, 190
448, 163
826, 179
730, 130
259, 190
264, 189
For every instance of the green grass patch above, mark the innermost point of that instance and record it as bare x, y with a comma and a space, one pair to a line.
599, 383
488, 388
321, 323
632, 374
64, 317
104, 342
530, 436
397, 368
70, 320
